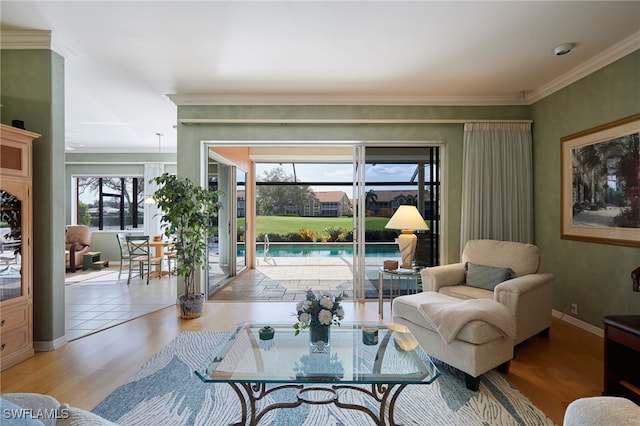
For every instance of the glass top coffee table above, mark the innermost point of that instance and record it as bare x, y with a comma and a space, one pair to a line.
256, 368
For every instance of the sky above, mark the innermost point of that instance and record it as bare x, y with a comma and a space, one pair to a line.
331, 172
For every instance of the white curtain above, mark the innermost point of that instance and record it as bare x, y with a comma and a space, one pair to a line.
497, 185
151, 211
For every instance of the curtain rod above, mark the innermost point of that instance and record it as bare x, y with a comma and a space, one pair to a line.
340, 121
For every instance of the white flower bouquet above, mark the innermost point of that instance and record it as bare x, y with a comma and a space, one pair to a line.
323, 309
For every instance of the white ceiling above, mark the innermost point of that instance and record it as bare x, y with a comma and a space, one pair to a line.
122, 59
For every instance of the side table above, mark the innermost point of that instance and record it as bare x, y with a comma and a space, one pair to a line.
91, 260
621, 356
412, 276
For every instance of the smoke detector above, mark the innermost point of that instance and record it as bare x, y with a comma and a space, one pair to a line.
563, 49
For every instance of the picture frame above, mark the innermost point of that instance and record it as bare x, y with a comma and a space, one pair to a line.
600, 188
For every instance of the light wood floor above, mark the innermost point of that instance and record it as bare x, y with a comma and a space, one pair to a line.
551, 372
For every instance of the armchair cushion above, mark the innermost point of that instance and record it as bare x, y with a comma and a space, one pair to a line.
484, 276
78, 234
522, 258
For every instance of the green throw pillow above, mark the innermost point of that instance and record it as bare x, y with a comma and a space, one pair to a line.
486, 277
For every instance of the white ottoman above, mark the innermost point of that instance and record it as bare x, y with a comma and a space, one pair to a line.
602, 411
477, 348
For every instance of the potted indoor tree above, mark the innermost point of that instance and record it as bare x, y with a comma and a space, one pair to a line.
188, 214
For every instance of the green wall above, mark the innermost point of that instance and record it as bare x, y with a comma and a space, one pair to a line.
595, 276
32, 90
190, 135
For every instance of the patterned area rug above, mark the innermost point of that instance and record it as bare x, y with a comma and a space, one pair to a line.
166, 392
82, 276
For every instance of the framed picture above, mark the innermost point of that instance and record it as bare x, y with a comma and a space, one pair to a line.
601, 184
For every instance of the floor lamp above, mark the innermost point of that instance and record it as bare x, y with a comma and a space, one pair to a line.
407, 219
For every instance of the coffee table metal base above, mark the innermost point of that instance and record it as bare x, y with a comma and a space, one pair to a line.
251, 393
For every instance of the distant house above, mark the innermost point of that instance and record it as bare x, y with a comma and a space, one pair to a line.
328, 204
384, 203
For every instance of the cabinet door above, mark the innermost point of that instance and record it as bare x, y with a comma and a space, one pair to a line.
15, 239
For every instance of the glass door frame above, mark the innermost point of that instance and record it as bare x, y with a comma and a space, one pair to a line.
359, 214
228, 185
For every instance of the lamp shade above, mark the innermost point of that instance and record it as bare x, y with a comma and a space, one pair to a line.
407, 217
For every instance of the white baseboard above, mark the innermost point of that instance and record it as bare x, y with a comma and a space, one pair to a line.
578, 323
50, 345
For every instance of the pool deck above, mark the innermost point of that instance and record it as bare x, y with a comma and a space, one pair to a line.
288, 278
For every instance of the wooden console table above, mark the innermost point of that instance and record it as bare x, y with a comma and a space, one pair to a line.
622, 356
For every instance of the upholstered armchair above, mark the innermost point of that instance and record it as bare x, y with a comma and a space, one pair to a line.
77, 243
507, 272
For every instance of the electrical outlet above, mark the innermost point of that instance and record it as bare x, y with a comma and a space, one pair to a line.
574, 308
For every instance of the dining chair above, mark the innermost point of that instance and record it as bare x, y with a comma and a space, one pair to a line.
124, 250
140, 252
172, 259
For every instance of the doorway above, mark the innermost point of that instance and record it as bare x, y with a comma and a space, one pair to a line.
379, 178
226, 246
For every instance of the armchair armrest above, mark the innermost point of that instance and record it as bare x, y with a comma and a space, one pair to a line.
442, 276
73, 248
509, 292
530, 298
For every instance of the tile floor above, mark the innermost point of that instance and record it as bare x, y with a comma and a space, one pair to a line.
104, 301
288, 278
101, 300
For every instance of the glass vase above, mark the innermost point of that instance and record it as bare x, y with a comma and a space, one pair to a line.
319, 338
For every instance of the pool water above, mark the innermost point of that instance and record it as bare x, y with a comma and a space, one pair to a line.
326, 250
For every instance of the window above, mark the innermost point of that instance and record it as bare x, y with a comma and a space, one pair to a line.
110, 203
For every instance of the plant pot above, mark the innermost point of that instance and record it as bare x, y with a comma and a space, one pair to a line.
192, 306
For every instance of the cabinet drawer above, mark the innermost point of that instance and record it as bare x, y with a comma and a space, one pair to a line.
14, 348
12, 342
14, 317
624, 338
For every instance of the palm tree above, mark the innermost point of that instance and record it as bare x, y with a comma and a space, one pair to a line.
370, 198
593, 168
628, 170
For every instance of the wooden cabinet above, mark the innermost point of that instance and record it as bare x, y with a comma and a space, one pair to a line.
16, 303
622, 356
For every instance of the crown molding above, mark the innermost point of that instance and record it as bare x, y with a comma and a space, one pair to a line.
301, 99
14, 40
188, 121
609, 56
35, 40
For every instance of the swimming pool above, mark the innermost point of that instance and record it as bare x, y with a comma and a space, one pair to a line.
326, 250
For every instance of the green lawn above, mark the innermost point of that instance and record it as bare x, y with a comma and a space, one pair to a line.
290, 224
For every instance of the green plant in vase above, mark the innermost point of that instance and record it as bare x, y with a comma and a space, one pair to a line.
189, 214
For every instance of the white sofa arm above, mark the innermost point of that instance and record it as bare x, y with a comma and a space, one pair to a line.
509, 292
442, 276
530, 298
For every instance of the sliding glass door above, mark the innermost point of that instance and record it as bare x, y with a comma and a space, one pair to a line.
226, 246
329, 199
384, 178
